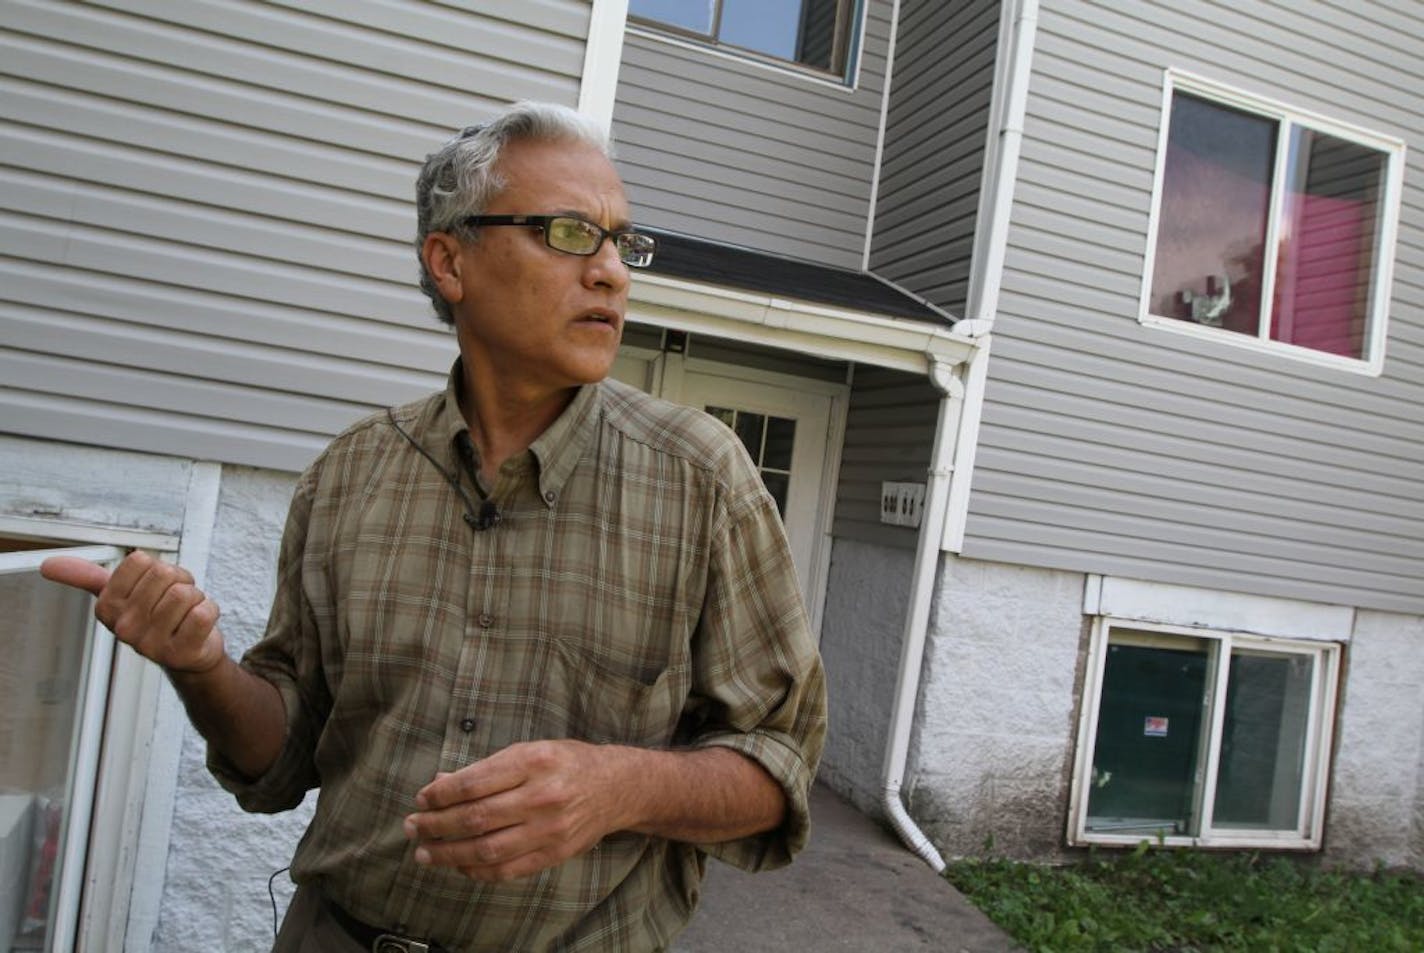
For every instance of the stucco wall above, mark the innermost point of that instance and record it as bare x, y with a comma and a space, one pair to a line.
989, 762
219, 858
866, 593
1376, 791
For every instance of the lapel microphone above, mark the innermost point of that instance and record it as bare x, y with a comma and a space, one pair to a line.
488, 518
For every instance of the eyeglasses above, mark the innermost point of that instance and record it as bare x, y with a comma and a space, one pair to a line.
577, 236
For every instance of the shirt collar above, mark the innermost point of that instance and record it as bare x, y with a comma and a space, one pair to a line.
557, 450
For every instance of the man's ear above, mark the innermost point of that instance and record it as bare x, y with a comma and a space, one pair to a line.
441, 253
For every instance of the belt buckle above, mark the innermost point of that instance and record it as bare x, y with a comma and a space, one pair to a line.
389, 943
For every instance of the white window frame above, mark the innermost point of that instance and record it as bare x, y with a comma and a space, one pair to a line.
1372, 361
848, 77
1309, 830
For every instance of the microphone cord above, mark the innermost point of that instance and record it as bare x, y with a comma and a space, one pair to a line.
488, 516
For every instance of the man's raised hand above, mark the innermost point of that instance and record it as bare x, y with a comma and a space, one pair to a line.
150, 605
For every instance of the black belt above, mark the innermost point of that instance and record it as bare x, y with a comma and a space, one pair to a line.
377, 940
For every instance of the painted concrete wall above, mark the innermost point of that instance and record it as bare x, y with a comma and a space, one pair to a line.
866, 592
991, 759
1376, 793
220, 858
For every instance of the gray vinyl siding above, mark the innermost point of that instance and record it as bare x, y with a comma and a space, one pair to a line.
1111, 447
935, 140
206, 209
890, 426
728, 149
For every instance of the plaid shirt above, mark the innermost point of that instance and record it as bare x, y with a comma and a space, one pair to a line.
637, 590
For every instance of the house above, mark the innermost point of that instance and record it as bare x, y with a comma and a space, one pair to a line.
1081, 344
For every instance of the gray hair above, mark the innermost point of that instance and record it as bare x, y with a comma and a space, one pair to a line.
460, 178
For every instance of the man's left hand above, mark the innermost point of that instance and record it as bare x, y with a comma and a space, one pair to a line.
528, 807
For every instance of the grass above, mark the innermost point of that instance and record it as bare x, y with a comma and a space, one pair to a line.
1155, 899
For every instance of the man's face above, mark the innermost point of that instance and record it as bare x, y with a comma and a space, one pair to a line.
532, 318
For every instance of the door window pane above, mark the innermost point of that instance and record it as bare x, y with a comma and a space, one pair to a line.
1211, 233
46, 643
1326, 263
1262, 766
768, 441
1146, 756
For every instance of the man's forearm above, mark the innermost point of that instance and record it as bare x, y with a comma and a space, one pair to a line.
240, 714
701, 796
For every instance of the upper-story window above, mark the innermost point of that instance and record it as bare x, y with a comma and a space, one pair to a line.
812, 33
1272, 227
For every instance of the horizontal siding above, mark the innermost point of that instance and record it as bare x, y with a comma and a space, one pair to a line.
935, 140
730, 150
1111, 447
890, 426
206, 215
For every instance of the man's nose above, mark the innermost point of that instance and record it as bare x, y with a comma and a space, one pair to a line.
605, 268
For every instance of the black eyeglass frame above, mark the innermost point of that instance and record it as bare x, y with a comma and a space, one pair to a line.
542, 222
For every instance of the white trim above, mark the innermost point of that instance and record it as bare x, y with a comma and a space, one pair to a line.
603, 53
1169, 604
880, 134
144, 884
1386, 236
821, 330
966, 447
65, 532
1319, 731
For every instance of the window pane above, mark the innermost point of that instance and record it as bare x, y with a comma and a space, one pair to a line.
695, 15
749, 428
780, 438
1327, 251
45, 636
799, 30
1262, 762
1211, 232
1147, 753
777, 485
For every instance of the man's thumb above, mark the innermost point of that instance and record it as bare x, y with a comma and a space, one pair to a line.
73, 571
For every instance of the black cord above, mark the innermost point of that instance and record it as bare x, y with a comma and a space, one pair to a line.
483, 520
272, 895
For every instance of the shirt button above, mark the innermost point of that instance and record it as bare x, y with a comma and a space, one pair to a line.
486, 620
550, 496
467, 725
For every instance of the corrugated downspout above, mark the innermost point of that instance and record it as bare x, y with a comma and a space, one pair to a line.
912, 651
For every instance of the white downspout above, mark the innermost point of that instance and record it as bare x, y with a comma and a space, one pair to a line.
912, 651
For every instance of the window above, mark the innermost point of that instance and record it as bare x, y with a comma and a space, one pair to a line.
769, 441
54, 686
812, 33
1202, 737
1272, 228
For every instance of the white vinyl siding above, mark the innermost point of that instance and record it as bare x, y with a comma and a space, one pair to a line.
935, 138
1107, 446
206, 209
770, 160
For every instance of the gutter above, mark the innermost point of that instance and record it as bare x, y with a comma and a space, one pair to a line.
922, 583
957, 429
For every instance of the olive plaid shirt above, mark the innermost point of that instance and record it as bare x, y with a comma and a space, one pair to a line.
637, 590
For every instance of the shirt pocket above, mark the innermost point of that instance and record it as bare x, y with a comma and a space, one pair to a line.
606, 704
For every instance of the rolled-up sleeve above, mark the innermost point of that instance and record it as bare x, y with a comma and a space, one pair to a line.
288, 657
758, 674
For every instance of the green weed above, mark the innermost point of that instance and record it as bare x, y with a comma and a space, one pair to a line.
1156, 900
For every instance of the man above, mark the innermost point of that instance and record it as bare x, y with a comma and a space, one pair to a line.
536, 639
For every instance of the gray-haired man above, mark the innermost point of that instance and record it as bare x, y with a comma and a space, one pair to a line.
537, 639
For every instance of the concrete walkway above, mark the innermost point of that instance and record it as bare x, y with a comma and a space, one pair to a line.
855, 889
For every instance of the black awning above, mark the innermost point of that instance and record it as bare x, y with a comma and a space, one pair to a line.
681, 256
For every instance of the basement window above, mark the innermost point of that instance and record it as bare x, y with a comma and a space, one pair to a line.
1203, 738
